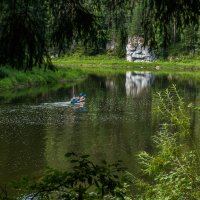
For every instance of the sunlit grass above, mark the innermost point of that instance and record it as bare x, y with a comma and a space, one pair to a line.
109, 60
11, 78
77, 66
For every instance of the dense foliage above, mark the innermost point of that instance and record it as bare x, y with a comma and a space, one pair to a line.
163, 14
85, 180
22, 34
172, 172
30, 29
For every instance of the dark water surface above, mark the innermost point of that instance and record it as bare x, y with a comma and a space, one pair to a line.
116, 122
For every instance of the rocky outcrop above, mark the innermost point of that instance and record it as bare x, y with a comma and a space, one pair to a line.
137, 52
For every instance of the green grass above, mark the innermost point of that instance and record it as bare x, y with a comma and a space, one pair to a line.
181, 62
181, 67
74, 67
11, 78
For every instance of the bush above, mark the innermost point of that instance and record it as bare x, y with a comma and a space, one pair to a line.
171, 172
3, 74
86, 180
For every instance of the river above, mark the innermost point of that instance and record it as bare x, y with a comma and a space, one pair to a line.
116, 122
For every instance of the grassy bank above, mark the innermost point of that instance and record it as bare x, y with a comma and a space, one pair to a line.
75, 67
11, 78
187, 62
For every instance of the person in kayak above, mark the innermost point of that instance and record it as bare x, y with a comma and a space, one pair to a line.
79, 99
82, 97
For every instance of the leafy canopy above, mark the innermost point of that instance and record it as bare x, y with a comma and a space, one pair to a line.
28, 29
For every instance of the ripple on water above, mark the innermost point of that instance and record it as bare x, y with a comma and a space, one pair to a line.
25, 114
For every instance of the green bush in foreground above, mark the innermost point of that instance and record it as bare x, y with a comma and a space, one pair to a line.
171, 173
85, 180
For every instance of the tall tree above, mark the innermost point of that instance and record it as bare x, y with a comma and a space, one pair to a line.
158, 15
27, 27
71, 20
22, 34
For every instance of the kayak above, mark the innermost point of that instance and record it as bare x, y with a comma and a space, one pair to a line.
77, 101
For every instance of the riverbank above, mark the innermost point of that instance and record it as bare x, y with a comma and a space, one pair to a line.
13, 79
178, 63
75, 67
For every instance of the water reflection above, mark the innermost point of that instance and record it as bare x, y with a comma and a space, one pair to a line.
81, 107
111, 85
21, 150
138, 82
37, 132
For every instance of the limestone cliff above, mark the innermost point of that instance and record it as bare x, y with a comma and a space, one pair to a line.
136, 50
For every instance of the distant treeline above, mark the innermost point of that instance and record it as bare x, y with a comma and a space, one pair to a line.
30, 31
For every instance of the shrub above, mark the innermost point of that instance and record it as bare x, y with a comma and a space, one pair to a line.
3, 74
86, 180
171, 172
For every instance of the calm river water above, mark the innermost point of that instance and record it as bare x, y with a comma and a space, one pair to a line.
116, 122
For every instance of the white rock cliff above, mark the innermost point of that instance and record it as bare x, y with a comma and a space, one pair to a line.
137, 52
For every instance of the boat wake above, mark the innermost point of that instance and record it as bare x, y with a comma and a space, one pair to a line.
63, 104
58, 104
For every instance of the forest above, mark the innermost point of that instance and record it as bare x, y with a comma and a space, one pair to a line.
33, 30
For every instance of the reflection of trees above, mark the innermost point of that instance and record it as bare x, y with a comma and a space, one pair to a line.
137, 82
111, 84
114, 127
21, 150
